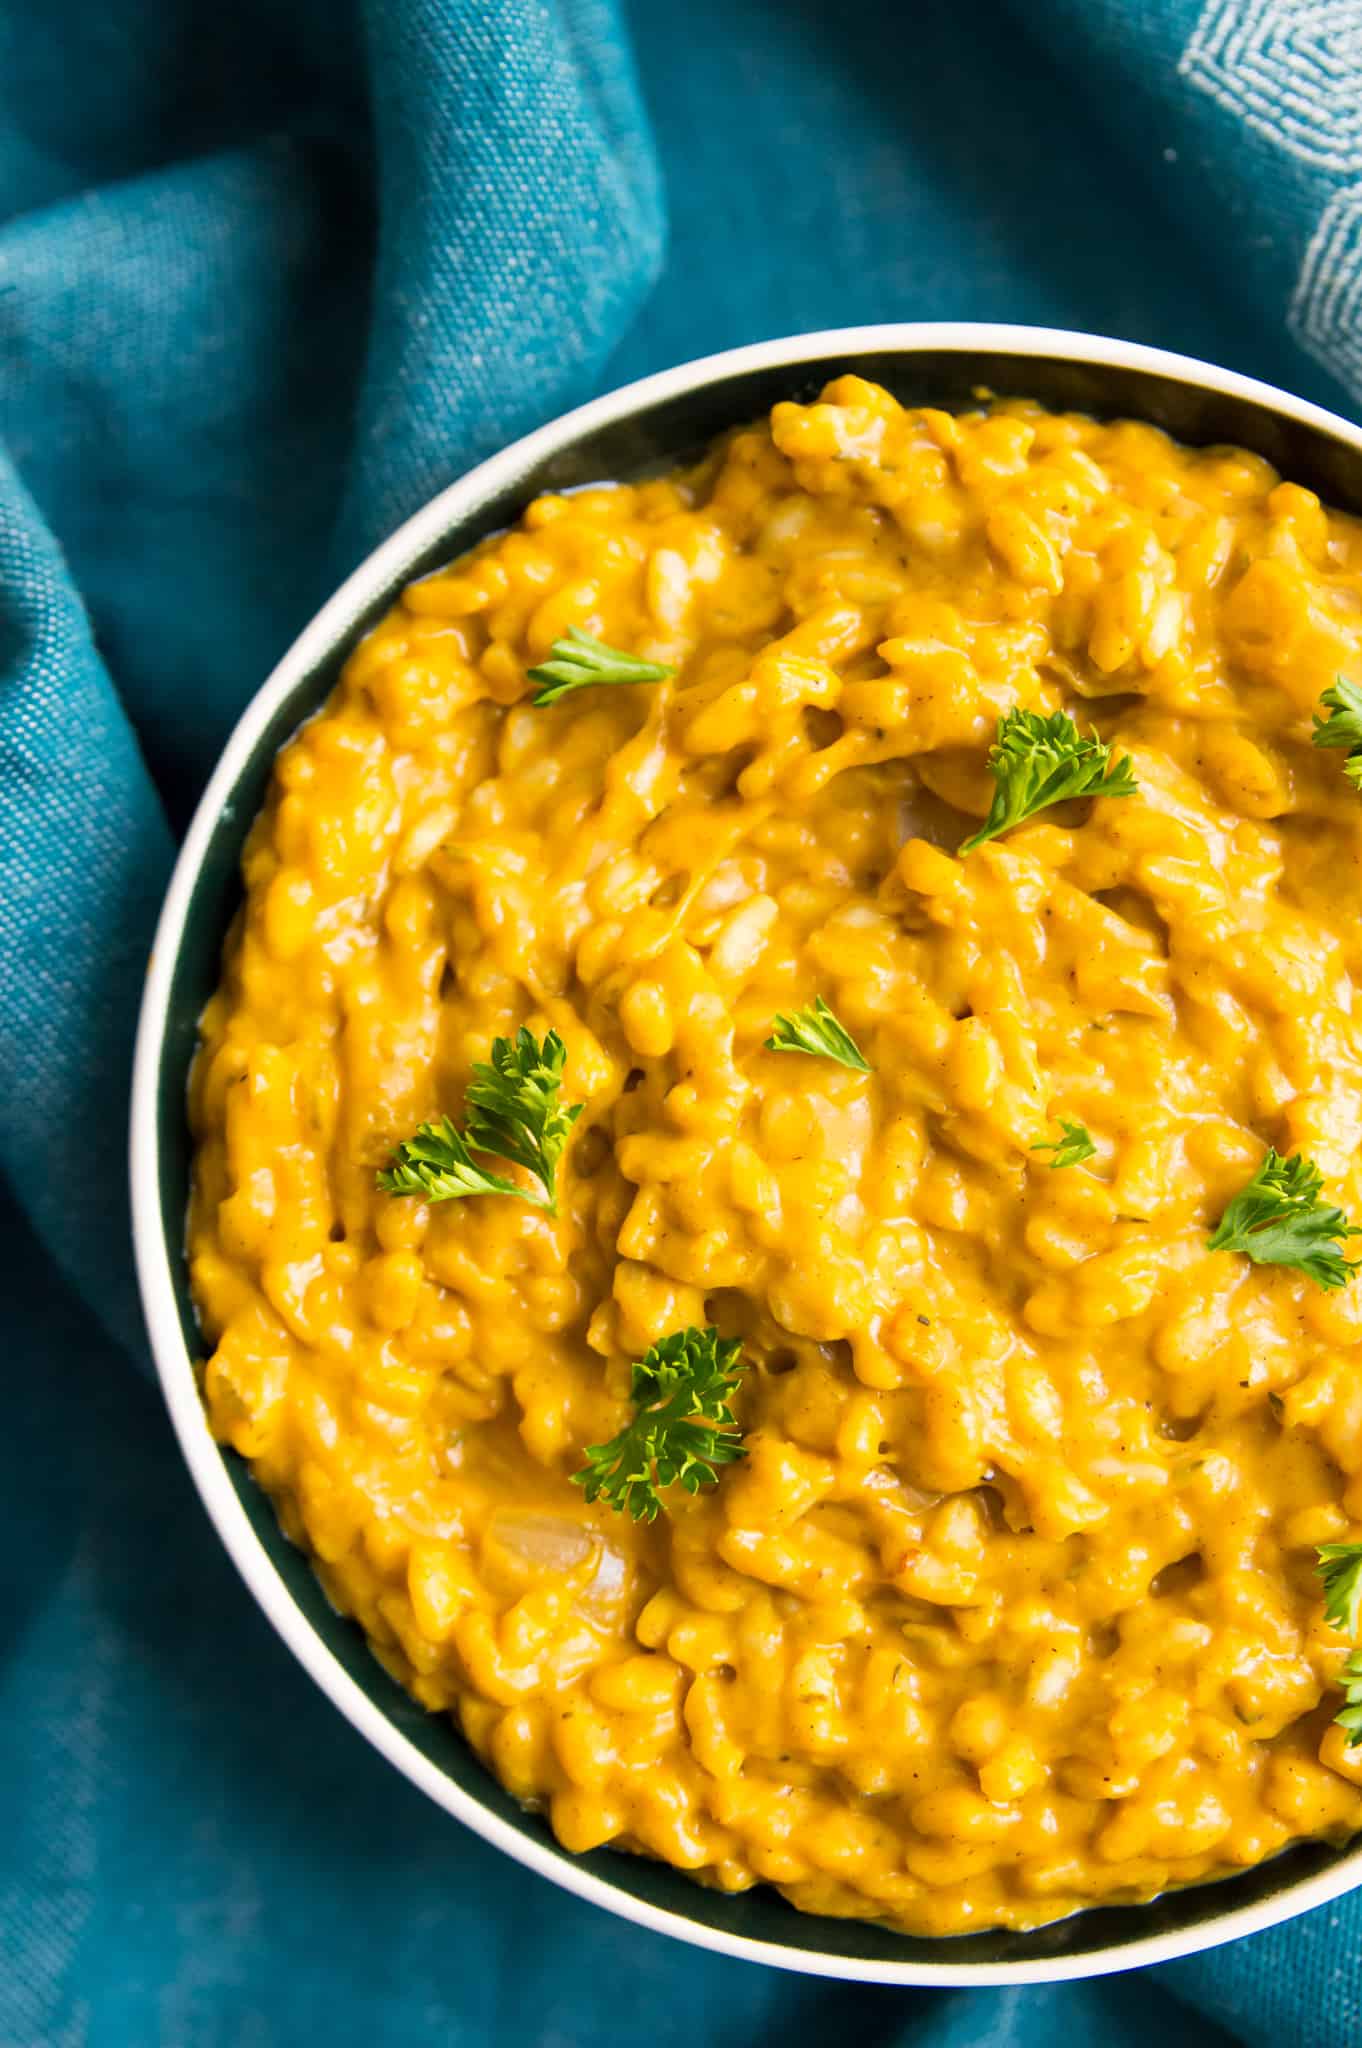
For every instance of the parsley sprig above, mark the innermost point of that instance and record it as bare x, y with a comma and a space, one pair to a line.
1340, 1568
577, 662
815, 1030
1343, 726
1350, 1678
513, 1113
1037, 762
682, 1430
1073, 1148
1279, 1220
435, 1162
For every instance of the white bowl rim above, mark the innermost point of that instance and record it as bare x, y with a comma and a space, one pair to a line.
153, 1257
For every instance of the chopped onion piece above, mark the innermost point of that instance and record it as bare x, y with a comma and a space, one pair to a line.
538, 1543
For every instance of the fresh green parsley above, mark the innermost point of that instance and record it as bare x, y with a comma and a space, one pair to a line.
1343, 726
1279, 1220
1350, 1678
577, 662
682, 1429
513, 1113
435, 1162
814, 1030
1073, 1148
1037, 762
1340, 1569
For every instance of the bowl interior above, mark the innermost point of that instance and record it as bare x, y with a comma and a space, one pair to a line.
663, 432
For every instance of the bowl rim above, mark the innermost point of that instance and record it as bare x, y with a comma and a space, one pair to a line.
154, 1256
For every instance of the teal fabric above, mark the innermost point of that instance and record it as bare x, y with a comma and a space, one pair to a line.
269, 274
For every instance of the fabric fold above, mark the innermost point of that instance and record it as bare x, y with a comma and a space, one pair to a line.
520, 225
84, 853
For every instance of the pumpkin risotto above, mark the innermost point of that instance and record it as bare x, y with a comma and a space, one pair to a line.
968, 1572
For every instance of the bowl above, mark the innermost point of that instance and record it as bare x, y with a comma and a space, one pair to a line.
646, 426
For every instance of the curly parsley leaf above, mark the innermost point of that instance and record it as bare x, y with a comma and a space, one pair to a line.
1279, 1220
1037, 762
1343, 726
682, 1429
577, 662
436, 1163
1350, 1678
1073, 1148
513, 1106
814, 1030
1340, 1569
514, 1113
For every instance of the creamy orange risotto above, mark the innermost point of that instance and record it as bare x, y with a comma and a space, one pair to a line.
999, 1591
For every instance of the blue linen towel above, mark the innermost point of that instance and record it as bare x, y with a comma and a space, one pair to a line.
269, 275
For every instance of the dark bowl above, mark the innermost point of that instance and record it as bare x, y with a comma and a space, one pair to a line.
647, 426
